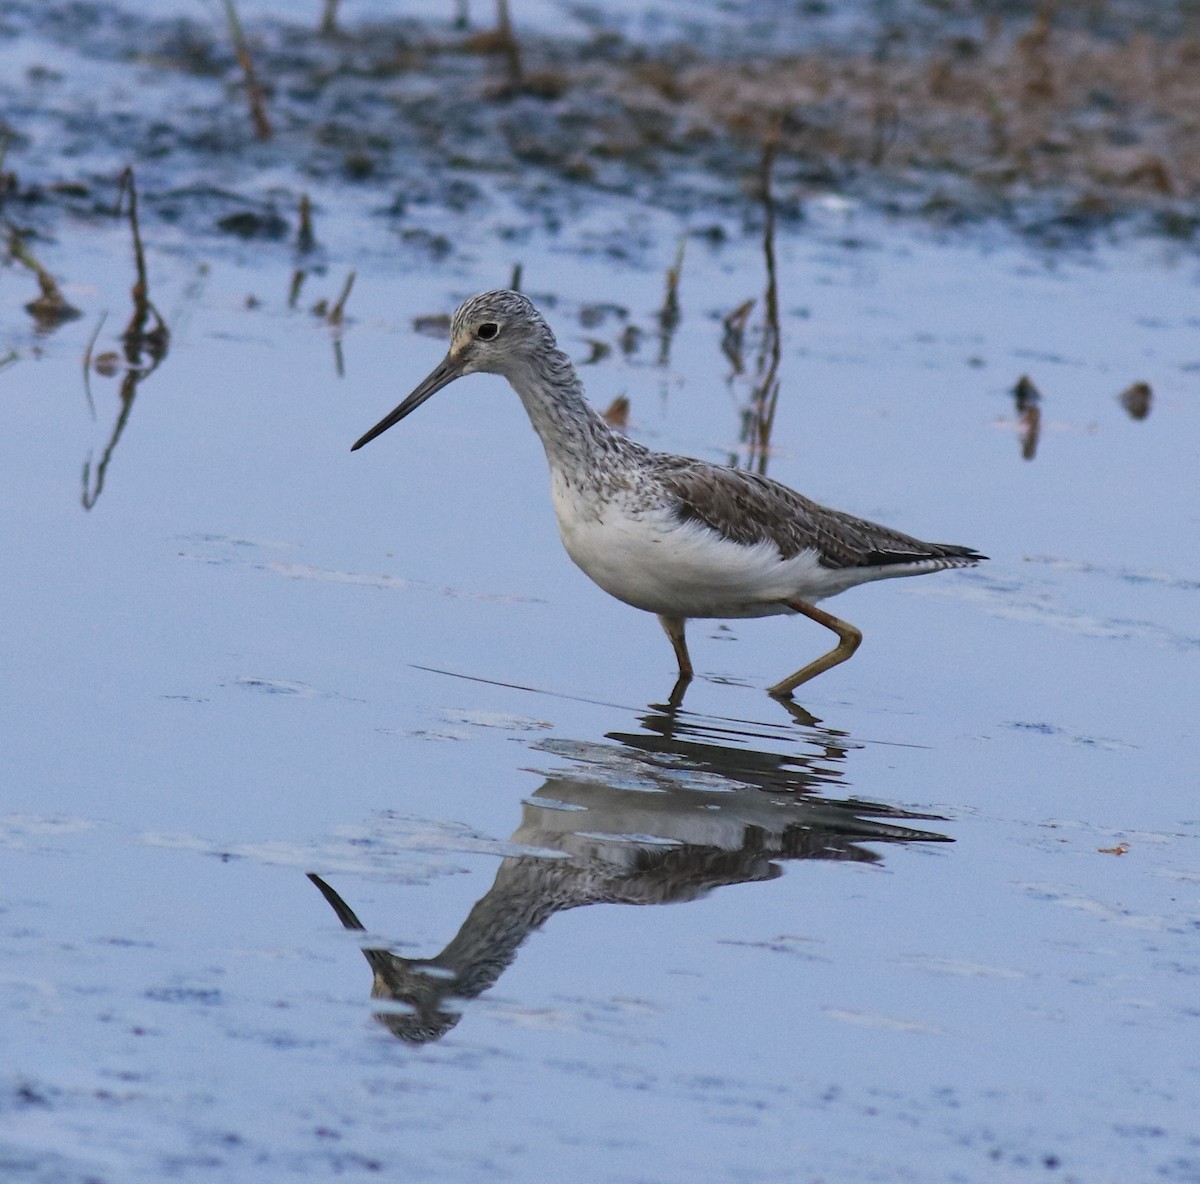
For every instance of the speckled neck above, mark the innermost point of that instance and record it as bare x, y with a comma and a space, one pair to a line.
571, 432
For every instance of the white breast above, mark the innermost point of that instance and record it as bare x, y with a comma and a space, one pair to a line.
651, 560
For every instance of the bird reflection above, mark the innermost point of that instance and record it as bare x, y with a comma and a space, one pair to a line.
665, 814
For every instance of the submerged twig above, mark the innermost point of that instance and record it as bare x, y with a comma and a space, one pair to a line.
733, 334
668, 314
254, 92
515, 282
298, 278
7, 180
508, 45
87, 364
334, 315
885, 117
137, 337
329, 18
337, 312
141, 339
93, 489
305, 238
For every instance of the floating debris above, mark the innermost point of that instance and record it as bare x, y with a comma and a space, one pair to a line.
1029, 415
1136, 400
436, 325
107, 364
51, 308
1026, 394
599, 351
617, 413
268, 224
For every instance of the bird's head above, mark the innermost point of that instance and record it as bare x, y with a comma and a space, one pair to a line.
492, 333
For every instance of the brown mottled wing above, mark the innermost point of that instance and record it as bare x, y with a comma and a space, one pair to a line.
748, 508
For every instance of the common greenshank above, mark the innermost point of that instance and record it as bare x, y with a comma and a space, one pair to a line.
672, 535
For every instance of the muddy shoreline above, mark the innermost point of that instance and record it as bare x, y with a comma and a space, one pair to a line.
1064, 126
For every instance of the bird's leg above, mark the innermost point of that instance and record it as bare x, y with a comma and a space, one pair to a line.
675, 698
673, 627
850, 639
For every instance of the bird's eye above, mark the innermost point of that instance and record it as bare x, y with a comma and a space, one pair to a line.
487, 331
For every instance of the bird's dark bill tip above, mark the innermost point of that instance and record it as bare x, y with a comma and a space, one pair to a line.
381, 427
449, 369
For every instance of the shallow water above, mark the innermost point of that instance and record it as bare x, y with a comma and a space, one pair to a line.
258, 656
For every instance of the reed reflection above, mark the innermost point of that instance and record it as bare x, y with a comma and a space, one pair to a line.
758, 417
663, 815
758, 411
144, 345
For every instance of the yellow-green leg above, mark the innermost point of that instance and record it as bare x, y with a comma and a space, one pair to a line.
673, 627
850, 639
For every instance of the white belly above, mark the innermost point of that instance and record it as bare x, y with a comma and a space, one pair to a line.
649, 559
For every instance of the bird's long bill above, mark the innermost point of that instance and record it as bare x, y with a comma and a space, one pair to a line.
445, 373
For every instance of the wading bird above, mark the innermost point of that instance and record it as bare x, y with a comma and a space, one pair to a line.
671, 535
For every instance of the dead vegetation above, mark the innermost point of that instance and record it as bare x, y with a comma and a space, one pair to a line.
50, 308
758, 415
1045, 118
144, 345
1034, 106
255, 96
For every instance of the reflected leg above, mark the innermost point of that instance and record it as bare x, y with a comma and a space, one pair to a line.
675, 698
801, 716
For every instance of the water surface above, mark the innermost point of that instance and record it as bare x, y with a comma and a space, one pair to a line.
942, 928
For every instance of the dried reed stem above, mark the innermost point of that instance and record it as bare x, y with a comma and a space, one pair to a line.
254, 92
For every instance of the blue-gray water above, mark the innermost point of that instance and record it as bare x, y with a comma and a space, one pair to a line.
258, 656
